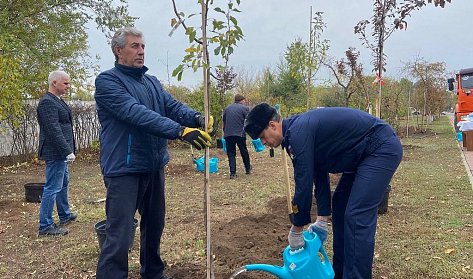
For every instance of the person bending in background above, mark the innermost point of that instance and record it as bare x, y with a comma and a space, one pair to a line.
56, 148
137, 117
334, 140
233, 120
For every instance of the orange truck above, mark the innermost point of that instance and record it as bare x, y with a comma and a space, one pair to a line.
463, 85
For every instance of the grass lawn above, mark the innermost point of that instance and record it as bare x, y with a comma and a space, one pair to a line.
426, 233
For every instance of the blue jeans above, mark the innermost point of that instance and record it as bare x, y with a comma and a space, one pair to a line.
55, 190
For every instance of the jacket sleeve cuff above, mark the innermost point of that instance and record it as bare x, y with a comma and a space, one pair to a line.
199, 120
301, 219
181, 131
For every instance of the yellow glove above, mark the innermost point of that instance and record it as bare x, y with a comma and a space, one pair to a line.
210, 127
198, 138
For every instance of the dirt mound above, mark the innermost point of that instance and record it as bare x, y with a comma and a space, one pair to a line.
247, 240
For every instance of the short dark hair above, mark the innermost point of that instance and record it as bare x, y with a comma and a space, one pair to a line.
258, 119
239, 98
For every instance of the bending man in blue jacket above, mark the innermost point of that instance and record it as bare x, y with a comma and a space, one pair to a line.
137, 117
334, 140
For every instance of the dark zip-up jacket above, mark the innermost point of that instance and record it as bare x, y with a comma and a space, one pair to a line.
137, 117
328, 140
233, 120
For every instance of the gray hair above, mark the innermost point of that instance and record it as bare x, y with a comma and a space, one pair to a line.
119, 39
56, 75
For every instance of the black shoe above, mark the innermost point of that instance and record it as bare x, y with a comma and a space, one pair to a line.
232, 175
53, 230
248, 171
72, 217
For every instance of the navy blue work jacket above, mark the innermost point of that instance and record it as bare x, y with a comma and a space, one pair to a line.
327, 140
234, 117
137, 116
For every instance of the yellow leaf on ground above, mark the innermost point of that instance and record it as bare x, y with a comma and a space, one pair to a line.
449, 250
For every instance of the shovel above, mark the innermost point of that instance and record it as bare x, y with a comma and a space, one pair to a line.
288, 185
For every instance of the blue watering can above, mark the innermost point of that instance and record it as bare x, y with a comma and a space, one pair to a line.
200, 164
258, 145
224, 145
301, 264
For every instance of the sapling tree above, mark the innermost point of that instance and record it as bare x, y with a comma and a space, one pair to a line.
388, 16
317, 50
224, 36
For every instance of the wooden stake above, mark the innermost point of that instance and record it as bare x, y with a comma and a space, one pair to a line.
205, 68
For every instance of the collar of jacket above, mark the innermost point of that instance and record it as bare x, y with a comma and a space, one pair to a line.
136, 73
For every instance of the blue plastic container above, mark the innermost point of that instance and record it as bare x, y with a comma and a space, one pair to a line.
459, 136
258, 145
200, 164
224, 145
305, 263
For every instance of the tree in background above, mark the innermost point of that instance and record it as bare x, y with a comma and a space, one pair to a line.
346, 72
194, 99
247, 84
366, 91
225, 82
388, 16
179, 92
289, 85
266, 84
430, 87
393, 102
38, 36
329, 96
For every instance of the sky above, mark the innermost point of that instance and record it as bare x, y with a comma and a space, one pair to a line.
433, 33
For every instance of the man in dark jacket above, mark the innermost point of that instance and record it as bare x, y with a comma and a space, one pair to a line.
56, 148
334, 140
233, 119
137, 117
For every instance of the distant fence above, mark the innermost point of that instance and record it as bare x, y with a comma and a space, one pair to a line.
20, 136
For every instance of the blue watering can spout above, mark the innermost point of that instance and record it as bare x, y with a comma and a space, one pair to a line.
277, 271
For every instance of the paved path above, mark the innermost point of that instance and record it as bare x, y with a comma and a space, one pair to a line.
467, 161
467, 157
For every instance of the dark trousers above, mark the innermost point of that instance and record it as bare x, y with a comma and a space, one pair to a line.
355, 210
126, 194
231, 143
